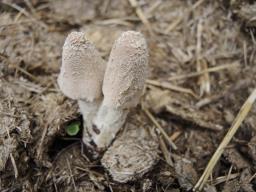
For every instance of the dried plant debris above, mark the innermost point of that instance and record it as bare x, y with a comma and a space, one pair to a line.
245, 180
252, 148
165, 174
12, 114
7, 146
51, 111
74, 12
132, 154
231, 186
22, 49
179, 107
70, 171
14, 122
244, 11
240, 184
210, 188
234, 157
247, 12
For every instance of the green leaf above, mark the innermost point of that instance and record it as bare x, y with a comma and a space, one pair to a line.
73, 128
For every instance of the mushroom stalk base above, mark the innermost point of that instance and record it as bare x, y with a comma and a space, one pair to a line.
88, 110
108, 123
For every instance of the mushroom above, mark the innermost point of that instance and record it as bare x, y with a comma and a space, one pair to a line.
122, 86
81, 77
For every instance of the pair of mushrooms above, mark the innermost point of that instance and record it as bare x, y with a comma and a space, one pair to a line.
105, 94
86, 77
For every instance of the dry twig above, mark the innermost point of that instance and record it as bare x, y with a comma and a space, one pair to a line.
223, 179
71, 175
204, 79
166, 85
165, 152
151, 117
141, 15
208, 70
236, 124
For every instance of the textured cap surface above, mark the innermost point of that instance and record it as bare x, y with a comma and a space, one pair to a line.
82, 69
126, 71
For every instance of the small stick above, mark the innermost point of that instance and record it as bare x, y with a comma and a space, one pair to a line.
254, 175
141, 15
236, 124
22, 11
39, 152
151, 117
165, 151
198, 3
166, 85
114, 21
153, 7
54, 183
245, 53
30, 6
175, 135
71, 175
173, 25
223, 179
179, 20
26, 73
199, 43
206, 101
229, 173
95, 173
8, 114
16, 173
204, 80
190, 117
209, 70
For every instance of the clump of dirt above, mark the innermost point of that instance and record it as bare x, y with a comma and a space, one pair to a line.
202, 69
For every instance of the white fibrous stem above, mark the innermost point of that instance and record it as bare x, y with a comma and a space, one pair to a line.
108, 121
88, 110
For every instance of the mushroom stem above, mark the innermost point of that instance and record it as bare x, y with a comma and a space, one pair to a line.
108, 121
88, 110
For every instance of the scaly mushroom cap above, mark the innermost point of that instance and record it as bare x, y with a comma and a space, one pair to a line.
82, 69
126, 71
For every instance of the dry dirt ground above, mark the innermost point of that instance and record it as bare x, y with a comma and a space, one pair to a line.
202, 69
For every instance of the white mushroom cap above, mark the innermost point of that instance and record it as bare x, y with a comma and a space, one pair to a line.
126, 71
82, 69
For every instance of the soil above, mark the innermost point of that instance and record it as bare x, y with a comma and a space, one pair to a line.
194, 109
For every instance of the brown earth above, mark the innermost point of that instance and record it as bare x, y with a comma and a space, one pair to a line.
195, 110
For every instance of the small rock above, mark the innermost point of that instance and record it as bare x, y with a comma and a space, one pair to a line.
187, 175
234, 157
132, 154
